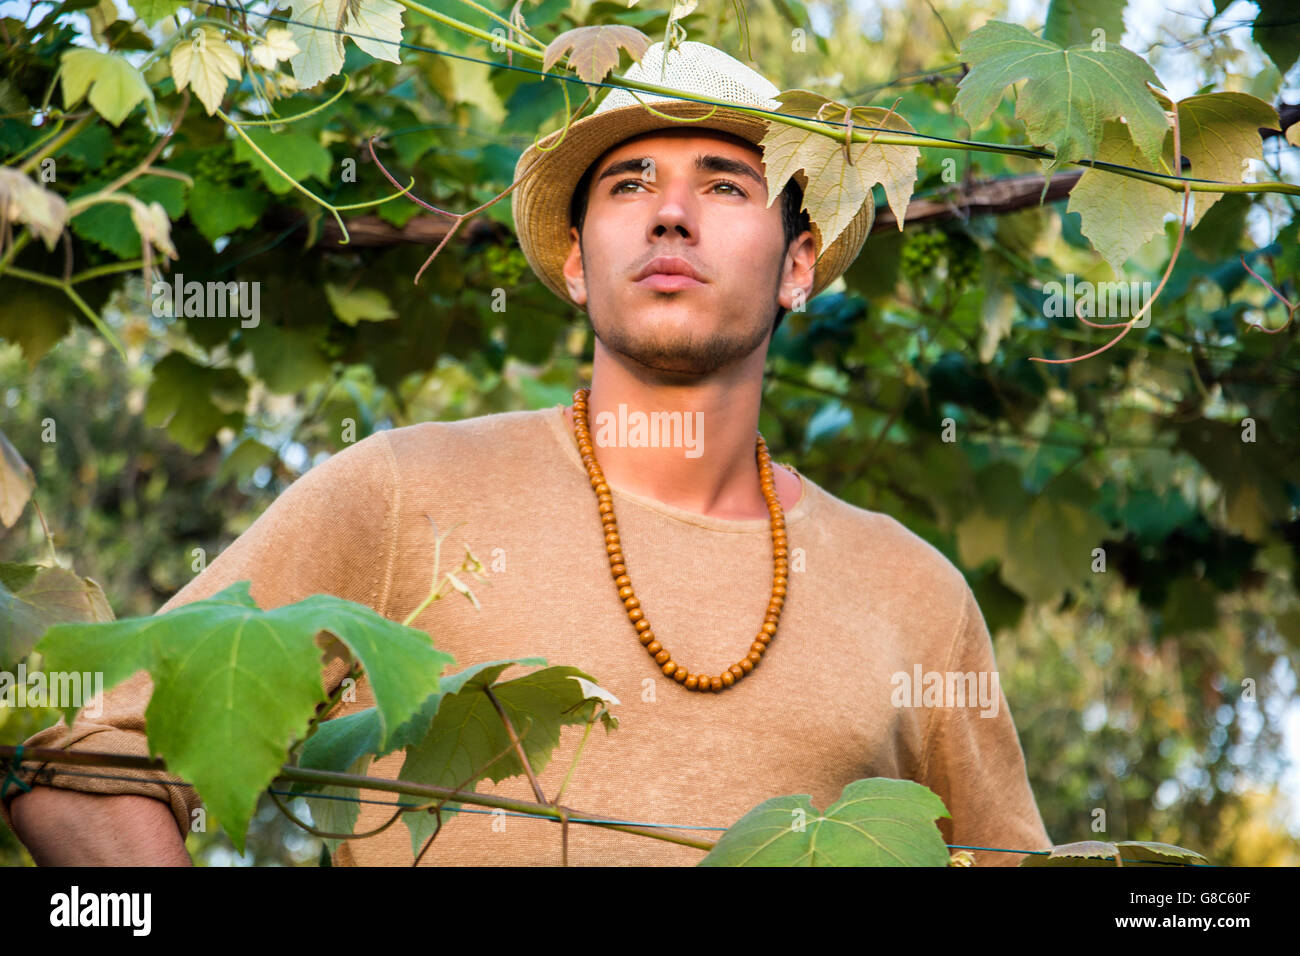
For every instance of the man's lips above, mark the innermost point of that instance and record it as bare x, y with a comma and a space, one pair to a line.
668, 274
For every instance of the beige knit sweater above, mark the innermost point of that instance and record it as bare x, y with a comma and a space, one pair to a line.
867, 600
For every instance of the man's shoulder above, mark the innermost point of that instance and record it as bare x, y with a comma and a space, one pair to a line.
885, 545
448, 442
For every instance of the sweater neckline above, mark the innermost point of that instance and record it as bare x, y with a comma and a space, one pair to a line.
559, 429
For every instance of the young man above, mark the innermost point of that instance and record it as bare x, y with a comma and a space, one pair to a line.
794, 619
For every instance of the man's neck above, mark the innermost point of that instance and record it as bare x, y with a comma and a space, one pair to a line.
716, 476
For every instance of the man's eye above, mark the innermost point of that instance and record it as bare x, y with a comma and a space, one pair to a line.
636, 182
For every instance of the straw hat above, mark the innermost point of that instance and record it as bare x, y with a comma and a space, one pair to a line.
541, 202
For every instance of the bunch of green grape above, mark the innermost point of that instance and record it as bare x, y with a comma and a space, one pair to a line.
922, 252
963, 260
948, 257
214, 166
506, 264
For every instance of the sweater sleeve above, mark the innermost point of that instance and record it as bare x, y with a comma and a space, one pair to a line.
330, 532
974, 761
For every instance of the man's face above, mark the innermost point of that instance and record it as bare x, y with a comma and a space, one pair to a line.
694, 199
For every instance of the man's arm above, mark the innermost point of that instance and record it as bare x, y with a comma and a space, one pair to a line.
330, 532
974, 761
70, 828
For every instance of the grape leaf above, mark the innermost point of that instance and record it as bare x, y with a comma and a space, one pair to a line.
23, 200
359, 305
115, 86
467, 742
595, 49
1102, 853
1120, 215
16, 483
151, 11
836, 188
35, 318
1069, 93
278, 45
220, 210
34, 597
1049, 549
234, 685
1275, 32
375, 27
1218, 133
194, 402
298, 153
1071, 22
875, 822
206, 64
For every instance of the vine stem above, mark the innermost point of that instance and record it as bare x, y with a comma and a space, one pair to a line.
866, 134
329, 778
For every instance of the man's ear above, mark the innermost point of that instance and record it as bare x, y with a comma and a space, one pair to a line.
797, 272
574, 277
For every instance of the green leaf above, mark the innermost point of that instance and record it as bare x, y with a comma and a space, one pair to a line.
234, 685
1049, 548
151, 11
1069, 94
299, 154
16, 483
35, 317
1102, 853
467, 742
287, 360
34, 597
194, 402
112, 225
875, 822
1071, 22
219, 210
116, 87
1276, 33
359, 305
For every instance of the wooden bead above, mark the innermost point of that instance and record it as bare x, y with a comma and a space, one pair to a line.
618, 567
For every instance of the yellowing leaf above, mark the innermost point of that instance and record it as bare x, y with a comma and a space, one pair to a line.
16, 483
1293, 134
279, 45
153, 225
115, 86
836, 188
595, 49
375, 27
205, 64
1120, 215
359, 305
1069, 94
23, 200
1219, 132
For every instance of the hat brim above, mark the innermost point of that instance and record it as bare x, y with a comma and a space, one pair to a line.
540, 203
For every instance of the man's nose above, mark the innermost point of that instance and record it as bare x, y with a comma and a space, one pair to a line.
676, 210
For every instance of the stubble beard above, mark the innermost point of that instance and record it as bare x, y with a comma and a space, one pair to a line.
679, 354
